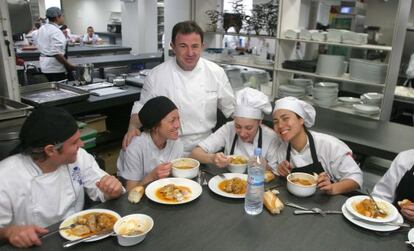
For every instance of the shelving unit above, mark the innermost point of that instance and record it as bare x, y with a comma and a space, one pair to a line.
160, 24
294, 14
356, 46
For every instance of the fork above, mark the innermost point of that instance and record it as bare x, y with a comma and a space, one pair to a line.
203, 177
315, 209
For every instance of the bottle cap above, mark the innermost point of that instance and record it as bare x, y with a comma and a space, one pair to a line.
257, 151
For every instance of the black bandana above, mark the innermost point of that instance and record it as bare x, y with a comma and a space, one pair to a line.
47, 125
155, 110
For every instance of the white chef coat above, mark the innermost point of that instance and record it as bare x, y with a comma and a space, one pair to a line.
94, 39
51, 41
224, 137
142, 156
334, 155
385, 188
197, 94
27, 196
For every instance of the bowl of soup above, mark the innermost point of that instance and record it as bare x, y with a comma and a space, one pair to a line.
301, 184
185, 168
132, 229
238, 164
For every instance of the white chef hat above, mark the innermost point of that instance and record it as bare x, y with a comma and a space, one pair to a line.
251, 103
301, 108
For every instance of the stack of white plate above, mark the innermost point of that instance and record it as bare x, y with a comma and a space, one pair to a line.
367, 70
325, 94
331, 65
291, 91
366, 109
304, 83
349, 101
372, 98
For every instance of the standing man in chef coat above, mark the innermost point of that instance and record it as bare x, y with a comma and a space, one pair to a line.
197, 86
52, 45
47, 180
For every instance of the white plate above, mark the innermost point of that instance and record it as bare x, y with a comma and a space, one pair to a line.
366, 109
214, 182
371, 225
154, 186
392, 211
411, 236
71, 219
349, 100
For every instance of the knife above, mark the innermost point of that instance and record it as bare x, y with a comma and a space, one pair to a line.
74, 242
298, 212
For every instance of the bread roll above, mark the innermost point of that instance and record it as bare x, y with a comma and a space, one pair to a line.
136, 194
272, 203
269, 176
404, 202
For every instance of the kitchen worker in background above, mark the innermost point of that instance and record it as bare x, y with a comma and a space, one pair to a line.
396, 186
312, 152
47, 180
149, 156
90, 37
52, 46
71, 39
243, 135
197, 86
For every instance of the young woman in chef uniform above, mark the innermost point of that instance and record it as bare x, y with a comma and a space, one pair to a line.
312, 152
46, 181
397, 184
148, 157
243, 134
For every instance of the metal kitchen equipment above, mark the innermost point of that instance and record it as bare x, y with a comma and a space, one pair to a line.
10, 109
84, 74
51, 93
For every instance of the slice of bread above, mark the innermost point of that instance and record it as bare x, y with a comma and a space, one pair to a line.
404, 202
136, 194
272, 203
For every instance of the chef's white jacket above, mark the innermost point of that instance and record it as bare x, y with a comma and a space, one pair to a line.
142, 156
334, 155
197, 94
87, 39
51, 41
224, 137
385, 188
27, 196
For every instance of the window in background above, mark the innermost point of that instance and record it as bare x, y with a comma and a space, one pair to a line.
52, 3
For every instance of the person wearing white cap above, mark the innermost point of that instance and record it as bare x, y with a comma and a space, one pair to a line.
312, 152
241, 136
52, 47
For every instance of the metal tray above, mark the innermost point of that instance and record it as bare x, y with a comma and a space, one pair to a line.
10, 109
51, 94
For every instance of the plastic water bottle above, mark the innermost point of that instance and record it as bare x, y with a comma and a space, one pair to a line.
253, 202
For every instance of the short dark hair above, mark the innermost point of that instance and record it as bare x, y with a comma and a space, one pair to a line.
63, 27
187, 27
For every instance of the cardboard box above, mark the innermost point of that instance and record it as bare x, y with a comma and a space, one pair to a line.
98, 123
110, 157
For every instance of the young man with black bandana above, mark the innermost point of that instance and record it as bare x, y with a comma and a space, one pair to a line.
45, 182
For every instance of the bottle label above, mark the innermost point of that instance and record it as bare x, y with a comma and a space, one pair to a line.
255, 180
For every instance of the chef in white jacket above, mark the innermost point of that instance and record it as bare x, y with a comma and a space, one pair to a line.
148, 157
312, 152
197, 86
45, 182
397, 184
52, 45
243, 135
